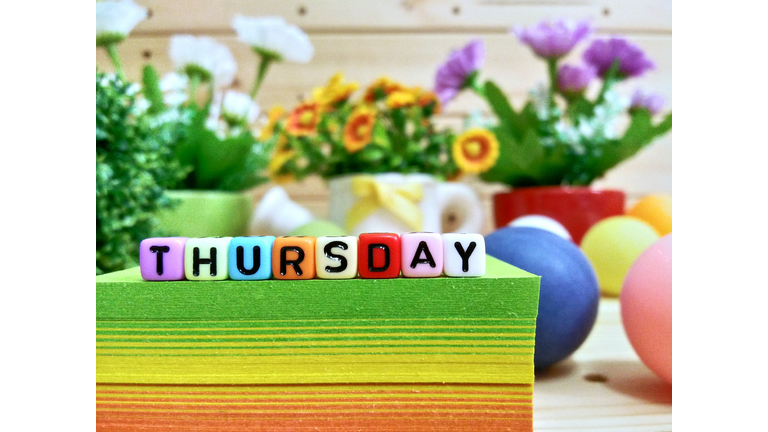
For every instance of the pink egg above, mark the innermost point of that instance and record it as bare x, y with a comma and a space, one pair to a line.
646, 307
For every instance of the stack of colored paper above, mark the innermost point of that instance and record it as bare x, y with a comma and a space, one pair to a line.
358, 354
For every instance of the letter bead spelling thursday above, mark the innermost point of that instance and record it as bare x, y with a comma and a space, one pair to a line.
371, 256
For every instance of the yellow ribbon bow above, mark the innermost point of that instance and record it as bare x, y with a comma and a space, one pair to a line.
400, 200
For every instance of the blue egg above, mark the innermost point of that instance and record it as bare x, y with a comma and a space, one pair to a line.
569, 293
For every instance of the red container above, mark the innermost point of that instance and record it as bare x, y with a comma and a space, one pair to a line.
577, 208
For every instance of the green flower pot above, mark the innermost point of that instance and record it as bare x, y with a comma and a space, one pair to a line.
201, 213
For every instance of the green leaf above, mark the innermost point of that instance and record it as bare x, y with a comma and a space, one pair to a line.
529, 152
506, 166
371, 154
580, 107
219, 158
379, 136
151, 90
187, 148
640, 133
500, 106
252, 172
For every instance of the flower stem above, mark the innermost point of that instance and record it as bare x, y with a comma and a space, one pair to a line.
115, 57
194, 83
611, 78
210, 95
473, 82
261, 73
552, 72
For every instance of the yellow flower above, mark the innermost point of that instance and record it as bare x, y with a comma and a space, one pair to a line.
280, 157
304, 119
359, 128
400, 99
275, 114
334, 92
475, 151
382, 85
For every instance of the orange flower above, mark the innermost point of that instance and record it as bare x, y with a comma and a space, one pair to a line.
275, 114
383, 85
304, 119
475, 151
400, 99
425, 99
359, 128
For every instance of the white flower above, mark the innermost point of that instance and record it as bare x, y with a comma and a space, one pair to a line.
133, 89
238, 107
615, 103
540, 98
203, 56
116, 19
174, 88
173, 81
275, 36
477, 119
141, 106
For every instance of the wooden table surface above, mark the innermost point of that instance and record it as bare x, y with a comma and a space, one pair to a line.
603, 386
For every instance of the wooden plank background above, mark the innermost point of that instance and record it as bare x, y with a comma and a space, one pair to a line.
407, 40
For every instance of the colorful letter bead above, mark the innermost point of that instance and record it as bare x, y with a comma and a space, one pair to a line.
378, 255
250, 258
206, 258
422, 254
464, 255
294, 258
162, 259
336, 257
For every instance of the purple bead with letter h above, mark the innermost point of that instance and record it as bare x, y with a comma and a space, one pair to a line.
162, 259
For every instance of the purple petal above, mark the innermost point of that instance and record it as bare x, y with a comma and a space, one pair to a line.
632, 60
650, 101
575, 79
452, 75
553, 39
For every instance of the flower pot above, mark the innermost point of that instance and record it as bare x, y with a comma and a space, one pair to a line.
202, 213
577, 208
398, 203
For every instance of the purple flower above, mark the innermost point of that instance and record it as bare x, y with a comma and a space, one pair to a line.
452, 75
650, 101
553, 40
632, 60
574, 79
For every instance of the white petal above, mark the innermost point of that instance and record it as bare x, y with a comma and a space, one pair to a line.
118, 16
173, 81
175, 98
240, 105
276, 35
206, 53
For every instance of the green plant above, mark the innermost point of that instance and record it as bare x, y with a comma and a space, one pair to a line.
390, 128
134, 164
562, 135
216, 139
219, 150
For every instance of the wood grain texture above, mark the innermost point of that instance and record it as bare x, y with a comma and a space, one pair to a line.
407, 15
603, 387
407, 40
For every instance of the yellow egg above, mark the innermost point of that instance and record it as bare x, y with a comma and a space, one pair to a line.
656, 210
612, 245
